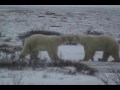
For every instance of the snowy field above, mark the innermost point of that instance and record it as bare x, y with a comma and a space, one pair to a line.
45, 77
15, 20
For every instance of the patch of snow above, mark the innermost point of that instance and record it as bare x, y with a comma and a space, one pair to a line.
44, 77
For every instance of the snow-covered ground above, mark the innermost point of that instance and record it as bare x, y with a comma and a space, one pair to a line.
45, 77
15, 20
54, 76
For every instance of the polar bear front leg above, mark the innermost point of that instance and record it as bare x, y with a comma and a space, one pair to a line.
34, 59
105, 56
89, 53
53, 54
115, 55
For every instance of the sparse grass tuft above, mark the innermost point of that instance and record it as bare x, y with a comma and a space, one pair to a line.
79, 66
12, 64
112, 79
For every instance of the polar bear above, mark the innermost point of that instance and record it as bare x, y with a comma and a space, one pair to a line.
37, 42
104, 43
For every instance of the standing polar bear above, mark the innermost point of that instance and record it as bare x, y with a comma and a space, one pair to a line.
107, 44
37, 42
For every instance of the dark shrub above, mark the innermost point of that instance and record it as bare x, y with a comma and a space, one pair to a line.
92, 32
79, 66
29, 33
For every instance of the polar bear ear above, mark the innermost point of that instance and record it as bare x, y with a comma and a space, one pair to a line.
75, 38
64, 38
